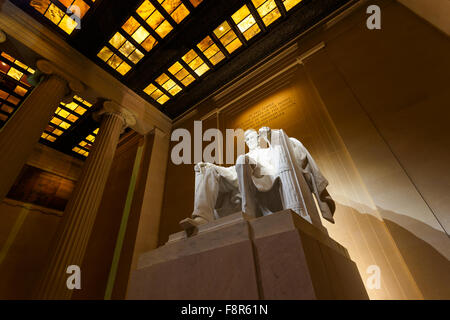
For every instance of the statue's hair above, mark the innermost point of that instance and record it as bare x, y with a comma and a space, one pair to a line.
249, 131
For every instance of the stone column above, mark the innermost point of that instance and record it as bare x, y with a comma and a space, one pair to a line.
73, 234
23, 130
152, 201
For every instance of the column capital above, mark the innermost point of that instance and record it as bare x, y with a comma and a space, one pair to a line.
48, 68
111, 107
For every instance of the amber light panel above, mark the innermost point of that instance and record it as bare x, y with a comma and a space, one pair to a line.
156, 94
168, 84
14, 72
60, 17
65, 116
267, 10
228, 37
195, 3
154, 18
15, 86
211, 50
195, 62
21, 91
86, 144
17, 62
289, 4
180, 72
141, 35
246, 22
114, 61
126, 48
175, 8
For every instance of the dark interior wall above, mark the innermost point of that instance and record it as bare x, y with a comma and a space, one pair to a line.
25, 236
400, 77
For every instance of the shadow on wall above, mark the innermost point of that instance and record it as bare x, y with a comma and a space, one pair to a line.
429, 268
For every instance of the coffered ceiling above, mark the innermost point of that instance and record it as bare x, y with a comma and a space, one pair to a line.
173, 53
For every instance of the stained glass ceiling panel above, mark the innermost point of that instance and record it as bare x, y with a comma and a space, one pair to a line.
66, 116
267, 10
66, 14
224, 38
289, 4
211, 51
195, 3
171, 52
246, 23
14, 87
84, 146
141, 32
188, 41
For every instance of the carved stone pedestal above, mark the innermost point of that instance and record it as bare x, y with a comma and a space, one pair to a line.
280, 256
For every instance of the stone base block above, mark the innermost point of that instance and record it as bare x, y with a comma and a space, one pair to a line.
280, 256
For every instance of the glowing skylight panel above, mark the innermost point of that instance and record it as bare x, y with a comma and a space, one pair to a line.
168, 84
14, 86
8, 102
195, 3
121, 53
211, 51
180, 72
66, 115
228, 37
195, 62
83, 148
127, 50
246, 22
175, 8
139, 33
289, 4
61, 12
267, 10
114, 61
154, 18
156, 94
16, 69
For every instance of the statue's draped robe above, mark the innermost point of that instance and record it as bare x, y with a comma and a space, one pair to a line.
262, 182
316, 181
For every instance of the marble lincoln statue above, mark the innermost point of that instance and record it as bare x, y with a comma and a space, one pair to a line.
277, 173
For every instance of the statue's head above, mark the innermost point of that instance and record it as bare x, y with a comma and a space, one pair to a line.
265, 136
251, 139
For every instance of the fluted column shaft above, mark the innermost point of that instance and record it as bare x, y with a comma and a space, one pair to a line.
79, 216
23, 130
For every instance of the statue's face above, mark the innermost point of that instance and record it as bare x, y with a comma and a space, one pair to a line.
251, 139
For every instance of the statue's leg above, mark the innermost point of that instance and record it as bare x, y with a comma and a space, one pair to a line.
246, 187
206, 192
